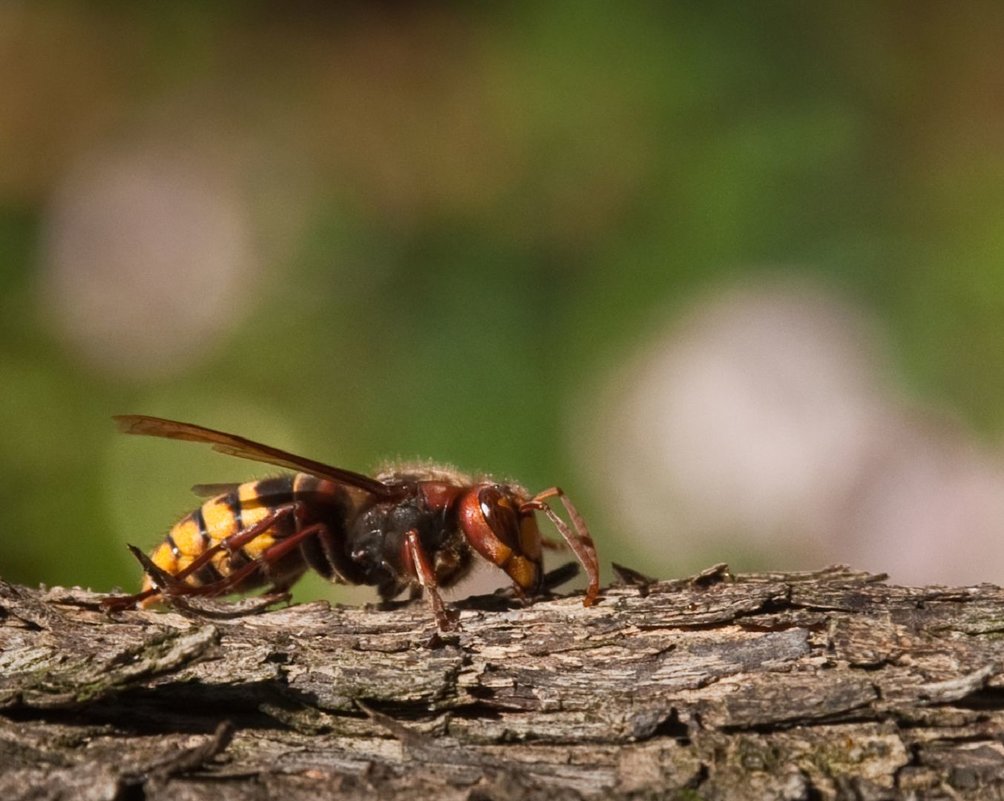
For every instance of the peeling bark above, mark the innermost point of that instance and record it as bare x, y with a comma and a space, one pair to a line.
790, 686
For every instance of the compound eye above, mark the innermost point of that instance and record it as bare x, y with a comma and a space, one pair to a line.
501, 514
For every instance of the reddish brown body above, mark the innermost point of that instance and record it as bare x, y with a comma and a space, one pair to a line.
410, 528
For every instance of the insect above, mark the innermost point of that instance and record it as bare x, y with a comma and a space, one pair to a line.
411, 528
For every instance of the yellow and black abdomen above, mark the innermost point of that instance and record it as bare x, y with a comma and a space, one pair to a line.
235, 511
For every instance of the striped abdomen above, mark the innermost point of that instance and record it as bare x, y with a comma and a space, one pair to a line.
236, 510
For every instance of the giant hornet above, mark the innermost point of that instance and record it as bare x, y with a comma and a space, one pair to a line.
416, 528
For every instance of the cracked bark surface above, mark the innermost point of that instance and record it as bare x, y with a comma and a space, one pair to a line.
790, 686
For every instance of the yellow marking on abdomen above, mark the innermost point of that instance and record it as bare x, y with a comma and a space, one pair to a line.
188, 538
219, 519
254, 511
165, 559
252, 508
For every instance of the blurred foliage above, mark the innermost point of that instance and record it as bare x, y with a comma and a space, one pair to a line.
498, 203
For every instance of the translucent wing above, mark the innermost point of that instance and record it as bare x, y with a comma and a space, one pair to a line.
212, 490
233, 445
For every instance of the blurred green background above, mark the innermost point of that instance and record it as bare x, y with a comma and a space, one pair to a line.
377, 230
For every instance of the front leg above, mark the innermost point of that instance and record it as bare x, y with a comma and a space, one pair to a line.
419, 563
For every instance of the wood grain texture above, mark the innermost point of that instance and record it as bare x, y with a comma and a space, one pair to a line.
777, 686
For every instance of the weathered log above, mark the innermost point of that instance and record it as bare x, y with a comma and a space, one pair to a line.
790, 686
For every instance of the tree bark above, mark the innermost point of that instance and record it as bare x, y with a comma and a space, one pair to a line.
826, 685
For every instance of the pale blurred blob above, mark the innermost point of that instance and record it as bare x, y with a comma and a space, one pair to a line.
149, 259
761, 424
930, 507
